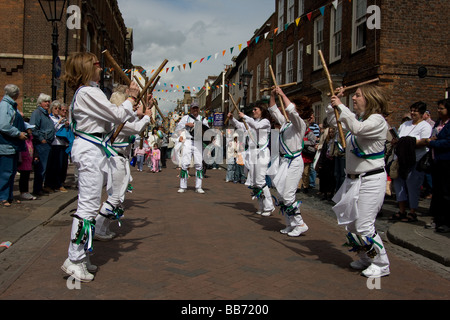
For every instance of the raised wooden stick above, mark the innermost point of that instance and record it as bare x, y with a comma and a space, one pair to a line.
336, 113
150, 90
141, 94
116, 67
234, 108
280, 86
357, 85
281, 100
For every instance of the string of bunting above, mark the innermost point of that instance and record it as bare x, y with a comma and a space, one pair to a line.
183, 67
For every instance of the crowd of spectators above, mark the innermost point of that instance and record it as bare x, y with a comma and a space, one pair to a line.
41, 145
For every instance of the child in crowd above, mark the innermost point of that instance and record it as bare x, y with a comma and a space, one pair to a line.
156, 156
140, 157
26, 158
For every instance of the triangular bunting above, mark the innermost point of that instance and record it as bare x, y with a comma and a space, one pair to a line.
309, 16
335, 3
322, 10
297, 21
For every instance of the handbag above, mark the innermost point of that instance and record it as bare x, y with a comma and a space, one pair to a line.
425, 163
393, 170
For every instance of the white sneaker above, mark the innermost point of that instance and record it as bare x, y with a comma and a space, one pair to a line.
258, 212
181, 190
267, 213
298, 230
287, 230
27, 196
359, 265
103, 237
374, 271
199, 190
77, 270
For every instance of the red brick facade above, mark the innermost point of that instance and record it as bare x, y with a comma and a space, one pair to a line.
412, 34
26, 54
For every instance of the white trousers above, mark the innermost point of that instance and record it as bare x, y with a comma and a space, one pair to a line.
289, 175
93, 171
367, 204
191, 149
121, 177
258, 171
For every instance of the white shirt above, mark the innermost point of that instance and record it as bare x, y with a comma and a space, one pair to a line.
293, 132
370, 135
422, 130
181, 126
262, 128
94, 113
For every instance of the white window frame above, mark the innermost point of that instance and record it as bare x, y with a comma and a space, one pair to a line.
279, 70
300, 61
290, 11
280, 16
318, 41
317, 109
290, 64
359, 24
301, 7
336, 33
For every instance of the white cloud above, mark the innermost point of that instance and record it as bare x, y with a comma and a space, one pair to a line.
184, 31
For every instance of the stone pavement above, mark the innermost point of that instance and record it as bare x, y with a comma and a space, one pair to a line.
208, 247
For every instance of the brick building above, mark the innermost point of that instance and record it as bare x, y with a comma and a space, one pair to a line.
26, 54
403, 43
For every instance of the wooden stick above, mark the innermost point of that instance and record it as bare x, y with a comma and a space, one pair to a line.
116, 67
336, 113
149, 83
234, 108
150, 90
281, 100
141, 94
280, 86
357, 85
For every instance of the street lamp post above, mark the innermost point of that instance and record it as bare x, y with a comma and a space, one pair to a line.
53, 11
245, 79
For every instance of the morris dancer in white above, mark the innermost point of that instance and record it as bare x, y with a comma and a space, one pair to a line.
287, 168
91, 113
192, 125
112, 208
259, 155
361, 196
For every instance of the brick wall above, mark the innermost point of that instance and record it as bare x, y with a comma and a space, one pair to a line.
412, 34
27, 34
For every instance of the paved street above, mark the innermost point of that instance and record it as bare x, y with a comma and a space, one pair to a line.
208, 247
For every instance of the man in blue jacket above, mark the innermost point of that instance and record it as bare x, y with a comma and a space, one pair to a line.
43, 136
12, 137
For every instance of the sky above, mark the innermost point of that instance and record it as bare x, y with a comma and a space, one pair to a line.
185, 31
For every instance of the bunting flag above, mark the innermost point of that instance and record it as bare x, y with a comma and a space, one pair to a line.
257, 39
322, 10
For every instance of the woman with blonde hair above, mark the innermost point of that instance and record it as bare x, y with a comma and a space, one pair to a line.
361, 196
91, 116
